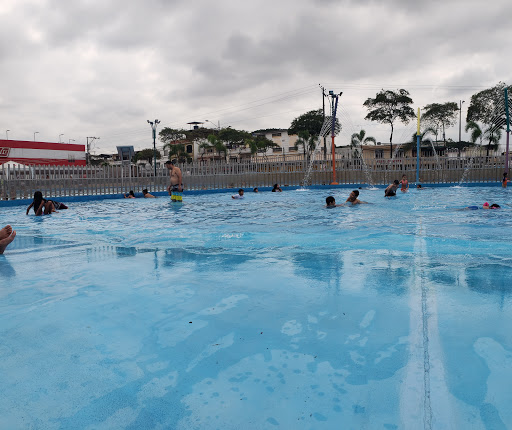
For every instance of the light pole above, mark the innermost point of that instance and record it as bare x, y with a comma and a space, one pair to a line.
216, 125
460, 116
62, 134
35, 132
69, 141
7, 134
153, 127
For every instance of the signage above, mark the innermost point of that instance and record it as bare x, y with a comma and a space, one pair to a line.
4, 152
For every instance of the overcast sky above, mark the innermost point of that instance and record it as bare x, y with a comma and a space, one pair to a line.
103, 68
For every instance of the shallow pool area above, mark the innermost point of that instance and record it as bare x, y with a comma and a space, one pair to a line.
270, 312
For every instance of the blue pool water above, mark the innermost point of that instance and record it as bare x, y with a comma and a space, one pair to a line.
265, 313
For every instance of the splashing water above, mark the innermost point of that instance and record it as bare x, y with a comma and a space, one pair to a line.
326, 126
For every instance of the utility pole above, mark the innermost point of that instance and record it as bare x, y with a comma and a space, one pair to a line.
323, 111
153, 127
88, 149
460, 116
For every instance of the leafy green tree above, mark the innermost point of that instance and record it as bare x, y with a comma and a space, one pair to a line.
203, 147
217, 144
440, 116
169, 135
177, 152
389, 106
233, 138
147, 155
361, 139
259, 144
311, 122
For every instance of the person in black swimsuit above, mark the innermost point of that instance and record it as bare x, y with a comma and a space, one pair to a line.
43, 206
391, 189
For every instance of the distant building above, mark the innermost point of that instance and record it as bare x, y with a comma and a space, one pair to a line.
38, 153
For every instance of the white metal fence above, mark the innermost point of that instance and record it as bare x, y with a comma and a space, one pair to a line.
21, 182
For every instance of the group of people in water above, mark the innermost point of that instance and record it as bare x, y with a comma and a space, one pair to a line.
42, 206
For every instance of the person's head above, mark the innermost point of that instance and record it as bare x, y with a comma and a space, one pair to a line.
240, 192
404, 176
276, 186
418, 186
396, 182
131, 193
329, 201
505, 175
495, 206
353, 196
169, 164
38, 198
255, 190
486, 205
145, 191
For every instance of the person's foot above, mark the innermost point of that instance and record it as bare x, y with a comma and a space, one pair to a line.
5, 232
6, 240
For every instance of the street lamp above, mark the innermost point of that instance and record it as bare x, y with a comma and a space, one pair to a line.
35, 132
69, 141
216, 125
62, 134
460, 115
7, 134
153, 127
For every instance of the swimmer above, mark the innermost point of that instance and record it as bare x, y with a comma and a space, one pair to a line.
240, 194
147, 195
505, 180
493, 206
43, 206
7, 235
405, 184
390, 191
130, 195
276, 189
353, 198
419, 187
255, 190
330, 202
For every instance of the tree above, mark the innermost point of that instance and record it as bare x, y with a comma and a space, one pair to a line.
147, 155
440, 116
169, 135
233, 138
476, 131
387, 107
217, 144
361, 139
311, 122
307, 141
259, 144
177, 152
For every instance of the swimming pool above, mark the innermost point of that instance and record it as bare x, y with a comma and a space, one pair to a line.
263, 313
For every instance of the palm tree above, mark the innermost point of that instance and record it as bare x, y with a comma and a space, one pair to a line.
493, 134
203, 146
307, 141
358, 140
177, 151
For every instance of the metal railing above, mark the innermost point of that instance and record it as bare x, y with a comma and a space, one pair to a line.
18, 182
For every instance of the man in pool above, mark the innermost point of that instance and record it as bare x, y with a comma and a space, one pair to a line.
330, 202
147, 195
240, 194
390, 191
176, 186
353, 198
7, 235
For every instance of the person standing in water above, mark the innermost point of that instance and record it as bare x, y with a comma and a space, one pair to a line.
405, 184
175, 188
505, 180
390, 191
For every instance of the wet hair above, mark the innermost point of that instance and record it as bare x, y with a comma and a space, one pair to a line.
131, 193
255, 189
505, 174
404, 175
329, 200
495, 206
170, 162
145, 191
241, 190
276, 186
356, 193
38, 198
418, 186
396, 182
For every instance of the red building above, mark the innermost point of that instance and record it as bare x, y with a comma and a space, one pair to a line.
36, 153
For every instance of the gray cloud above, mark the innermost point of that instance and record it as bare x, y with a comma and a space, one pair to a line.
90, 67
